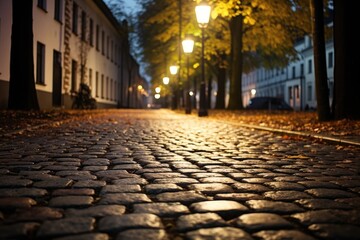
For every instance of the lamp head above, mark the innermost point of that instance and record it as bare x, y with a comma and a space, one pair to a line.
203, 11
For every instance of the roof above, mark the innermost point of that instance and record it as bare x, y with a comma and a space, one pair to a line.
107, 12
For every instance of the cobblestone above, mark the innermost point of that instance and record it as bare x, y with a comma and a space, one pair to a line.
167, 176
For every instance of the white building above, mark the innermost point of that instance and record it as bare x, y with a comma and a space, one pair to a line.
75, 41
294, 83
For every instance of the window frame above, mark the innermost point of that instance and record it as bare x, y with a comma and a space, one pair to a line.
58, 11
40, 63
42, 4
75, 18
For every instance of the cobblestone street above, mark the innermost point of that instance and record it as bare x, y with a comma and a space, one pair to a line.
159, 175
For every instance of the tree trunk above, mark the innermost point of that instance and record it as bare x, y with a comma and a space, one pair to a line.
236, 63
322, 89
22, 91
347, 51
220, 96
209, 90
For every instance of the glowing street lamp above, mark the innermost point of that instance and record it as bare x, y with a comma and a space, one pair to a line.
202, 16
174, 69
166, 80
188, 46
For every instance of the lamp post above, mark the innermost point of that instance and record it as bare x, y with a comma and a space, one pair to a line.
202, 16
188, 46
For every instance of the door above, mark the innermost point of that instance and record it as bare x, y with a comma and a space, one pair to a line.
56, 91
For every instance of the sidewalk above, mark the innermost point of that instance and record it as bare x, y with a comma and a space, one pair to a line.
304, 124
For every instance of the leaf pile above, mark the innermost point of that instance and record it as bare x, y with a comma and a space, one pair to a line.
306, 122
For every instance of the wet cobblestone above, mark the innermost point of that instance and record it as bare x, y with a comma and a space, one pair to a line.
164, 176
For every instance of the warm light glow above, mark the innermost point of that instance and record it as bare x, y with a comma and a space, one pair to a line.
157, 89
191, 93
166, 80
188, 45
173, 69
157, 96
253, 92
140, 87
203, 14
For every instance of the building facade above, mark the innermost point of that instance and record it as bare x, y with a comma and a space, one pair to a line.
295, 83
76, 41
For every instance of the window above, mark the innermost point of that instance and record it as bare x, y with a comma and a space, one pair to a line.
82, 73
97, 84
102, 85
42, 4
58, 10
111, 89
103, 42
107, 88
90, 78
107, 46
97, 37
91, 32
40, 63
75, 18
310, 66
115, 54
301, 69
330, 60
83, 26
293, 72
112, 51
297, 92
73, 75
290, 93
309, 93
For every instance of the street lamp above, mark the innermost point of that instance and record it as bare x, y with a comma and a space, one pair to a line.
202, 16
173, 69
188, 46
166, 80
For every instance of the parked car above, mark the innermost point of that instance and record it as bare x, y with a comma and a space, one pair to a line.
268, 103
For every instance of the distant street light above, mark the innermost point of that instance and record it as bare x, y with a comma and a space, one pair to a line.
173, 69
166, 80
253, 92
188, 46
202, 16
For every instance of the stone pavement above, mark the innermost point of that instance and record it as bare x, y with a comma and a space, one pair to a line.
156, 175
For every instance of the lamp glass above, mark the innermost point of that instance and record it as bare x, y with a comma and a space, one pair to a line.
173, 69
188, 45
166, 80
203, 14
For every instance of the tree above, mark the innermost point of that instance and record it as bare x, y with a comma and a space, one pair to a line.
347, 51
318, 34
254, 33
22, 91
266, 29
